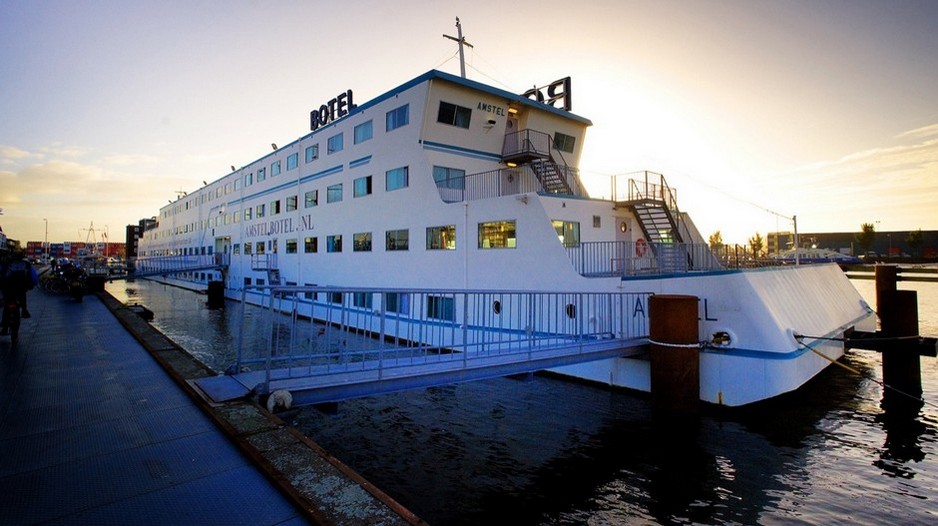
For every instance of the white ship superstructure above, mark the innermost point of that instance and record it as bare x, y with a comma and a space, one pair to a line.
447, 183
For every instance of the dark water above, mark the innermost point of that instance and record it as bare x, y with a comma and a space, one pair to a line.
548, 451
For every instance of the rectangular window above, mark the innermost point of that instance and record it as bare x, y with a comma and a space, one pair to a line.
227, 188
275, 207
441, 308
291, 246
335, 144
334, 243
361, 242
563, 142
259, 211
260, 282
312, 153
454, 115
310, 295
292, 161
397, 117
597, 222
291, 203
261, 174
247, 213
237, 184
275, 168
497, 234
449, 177
568, 232
441, 237
397, 240
247, 248
363, 132
311, 245
311, 198
397, 302
396, 179
236, 249
249, 179
259, 247
247, 282
335, 297
334, 193
362, 186
363, 299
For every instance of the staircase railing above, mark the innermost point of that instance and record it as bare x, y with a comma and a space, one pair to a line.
506, 181
653, 187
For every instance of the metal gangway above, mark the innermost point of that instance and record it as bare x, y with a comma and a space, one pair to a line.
165, 265
327, 344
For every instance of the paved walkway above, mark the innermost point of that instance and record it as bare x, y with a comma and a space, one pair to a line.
93, 431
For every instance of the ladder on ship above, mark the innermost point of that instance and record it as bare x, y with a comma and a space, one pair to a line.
654, 204
268, 263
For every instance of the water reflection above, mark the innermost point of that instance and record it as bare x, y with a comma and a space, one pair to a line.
539, 450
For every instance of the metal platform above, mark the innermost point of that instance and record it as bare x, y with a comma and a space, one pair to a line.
93, 431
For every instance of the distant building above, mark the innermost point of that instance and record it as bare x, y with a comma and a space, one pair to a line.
885, 244
73, 249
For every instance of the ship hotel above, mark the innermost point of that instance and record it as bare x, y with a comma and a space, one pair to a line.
450, 184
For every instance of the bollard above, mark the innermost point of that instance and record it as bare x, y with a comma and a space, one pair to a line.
675, 355
216, 294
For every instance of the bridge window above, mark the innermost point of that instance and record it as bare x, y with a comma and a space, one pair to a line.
397, 117
441, 308
454, 115
441, 237
497, 234
564, 143
568, 232
397, 240
312, 153
361, 242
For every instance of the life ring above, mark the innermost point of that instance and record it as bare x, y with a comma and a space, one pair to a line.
641, 247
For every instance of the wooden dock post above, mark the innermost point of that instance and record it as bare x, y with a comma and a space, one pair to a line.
675, 355
898, 316
216, 294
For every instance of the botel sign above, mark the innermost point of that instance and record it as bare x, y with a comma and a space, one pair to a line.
335, 109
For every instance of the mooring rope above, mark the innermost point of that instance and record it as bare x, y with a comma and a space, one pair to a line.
857, 372
697, 345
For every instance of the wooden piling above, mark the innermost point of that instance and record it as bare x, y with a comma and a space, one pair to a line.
216, 294
898, 317
675, 356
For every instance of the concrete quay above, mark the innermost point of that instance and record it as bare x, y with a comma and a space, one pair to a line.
100, 424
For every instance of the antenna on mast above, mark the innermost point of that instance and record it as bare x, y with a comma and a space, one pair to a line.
462, 42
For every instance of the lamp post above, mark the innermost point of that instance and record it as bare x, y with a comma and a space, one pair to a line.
45, 243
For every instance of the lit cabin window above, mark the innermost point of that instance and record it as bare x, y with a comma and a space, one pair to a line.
568, 232
497, 234
397, 240
441, 237
361, 242
454, 115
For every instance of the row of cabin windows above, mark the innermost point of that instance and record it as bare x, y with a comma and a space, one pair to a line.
492, 234
363, 132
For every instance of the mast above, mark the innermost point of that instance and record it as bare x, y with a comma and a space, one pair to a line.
462, 42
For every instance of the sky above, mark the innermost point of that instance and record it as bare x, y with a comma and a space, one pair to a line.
754, 111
